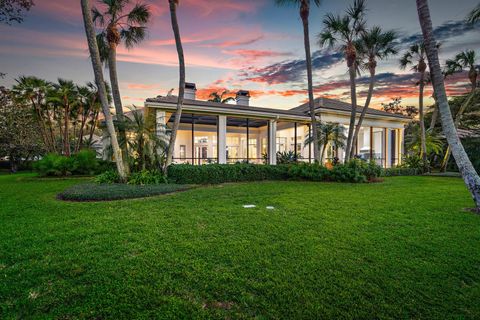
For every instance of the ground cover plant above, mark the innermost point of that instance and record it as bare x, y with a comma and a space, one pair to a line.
116, 191
403, 248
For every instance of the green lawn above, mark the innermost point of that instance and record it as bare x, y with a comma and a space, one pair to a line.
399, 249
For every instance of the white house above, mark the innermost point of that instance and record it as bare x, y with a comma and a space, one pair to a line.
213, 132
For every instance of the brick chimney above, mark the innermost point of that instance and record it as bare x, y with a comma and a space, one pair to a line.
243, 98
190, 90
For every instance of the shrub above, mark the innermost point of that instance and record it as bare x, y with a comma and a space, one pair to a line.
82, 163
286, 157
307, 171
220, 173
147, 177
107, 177
415, 162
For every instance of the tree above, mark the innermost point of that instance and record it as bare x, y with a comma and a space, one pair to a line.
462, 61
415, 57
395, 106
13, 10
474, 15
470, 176
413, 141
304, 6
373, 44
100, 82
34, 92
329, 132
181, 89
343, 32
119, 26
66, 92
216, 97
19, 139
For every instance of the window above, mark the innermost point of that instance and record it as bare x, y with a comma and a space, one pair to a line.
183, 152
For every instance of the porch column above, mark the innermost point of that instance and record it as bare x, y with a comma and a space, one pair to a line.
272, 143
222, 139
401, 138
388, 161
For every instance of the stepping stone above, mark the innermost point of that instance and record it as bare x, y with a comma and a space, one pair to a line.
249, 206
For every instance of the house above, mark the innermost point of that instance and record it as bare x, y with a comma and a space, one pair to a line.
212, 132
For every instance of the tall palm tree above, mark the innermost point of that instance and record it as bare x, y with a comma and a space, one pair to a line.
343, 32
181, 88
463, 60
100, 82
119, 27
416, 58
34, 91
474, 15
373, 44
66, 93
216, 97
304, 6
470, 176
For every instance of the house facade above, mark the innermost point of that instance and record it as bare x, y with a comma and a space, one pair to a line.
212, 132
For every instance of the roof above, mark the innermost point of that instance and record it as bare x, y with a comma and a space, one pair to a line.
326, 103
302, 110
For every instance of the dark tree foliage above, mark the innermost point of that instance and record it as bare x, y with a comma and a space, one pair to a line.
14, 10
395, 106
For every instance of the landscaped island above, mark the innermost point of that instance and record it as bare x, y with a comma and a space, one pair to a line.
403, 248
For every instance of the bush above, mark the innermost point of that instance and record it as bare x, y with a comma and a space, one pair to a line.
102, 192
146, 177
415, 162
220, 173
107, 177
82, 163
286, 157
353, 171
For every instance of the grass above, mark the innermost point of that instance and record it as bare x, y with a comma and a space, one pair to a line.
399, 249
101, 192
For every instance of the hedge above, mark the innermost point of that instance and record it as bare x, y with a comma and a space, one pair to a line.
391, 172
353, 171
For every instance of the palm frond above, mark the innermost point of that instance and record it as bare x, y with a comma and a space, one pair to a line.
140, 14
133, 35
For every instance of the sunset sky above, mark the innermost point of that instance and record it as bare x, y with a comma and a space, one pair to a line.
231, 44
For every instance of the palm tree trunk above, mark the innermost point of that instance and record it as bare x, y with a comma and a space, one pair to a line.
353, 94
311, 101
52, 134
102, 92
364, 112
433, 122
93, 126
423, 149
470, 176
66, 138
324, 147
181, 88
117, 101
458, 118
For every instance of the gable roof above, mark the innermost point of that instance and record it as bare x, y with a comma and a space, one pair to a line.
330, 104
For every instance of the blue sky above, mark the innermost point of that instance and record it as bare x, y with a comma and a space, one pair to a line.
236, 44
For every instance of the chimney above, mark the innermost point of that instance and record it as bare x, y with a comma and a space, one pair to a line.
243, 98
190, 90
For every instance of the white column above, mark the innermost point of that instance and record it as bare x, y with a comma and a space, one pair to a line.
160, 122
222, 139
388, 160
401, 138
272, 145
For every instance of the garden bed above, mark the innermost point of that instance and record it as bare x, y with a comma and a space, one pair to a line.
108, 192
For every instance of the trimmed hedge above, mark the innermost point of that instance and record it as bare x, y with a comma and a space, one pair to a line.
354, 171
117, 191
220, 173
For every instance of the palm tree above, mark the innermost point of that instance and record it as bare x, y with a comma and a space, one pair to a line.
474, 15
416, 58
329, 132
34, 91
100, 82
462, 61
343, 32
304, 6
413, 141
374, 44
216, 97
66, 93
117, 27
470, 176
181, 88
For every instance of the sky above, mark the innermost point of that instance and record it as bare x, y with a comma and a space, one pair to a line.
234, 44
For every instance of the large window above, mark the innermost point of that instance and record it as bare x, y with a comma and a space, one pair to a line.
247, 140
196, 138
